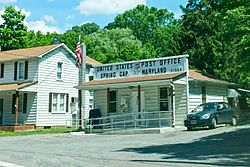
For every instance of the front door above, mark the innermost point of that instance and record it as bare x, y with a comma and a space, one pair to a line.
134, 102
1, 111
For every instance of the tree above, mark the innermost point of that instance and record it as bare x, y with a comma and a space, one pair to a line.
86, 29
116, 45
155, 28
216, 36
237, 36
143, 20
13, 32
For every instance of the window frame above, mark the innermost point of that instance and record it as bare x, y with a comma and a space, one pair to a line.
18, 70
164, 99
57, 103
112, 101
59, 72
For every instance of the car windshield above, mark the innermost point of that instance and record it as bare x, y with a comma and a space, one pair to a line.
205, 107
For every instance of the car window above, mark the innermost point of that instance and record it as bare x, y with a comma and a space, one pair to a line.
209, 106
220, 106
205, 107
226, 106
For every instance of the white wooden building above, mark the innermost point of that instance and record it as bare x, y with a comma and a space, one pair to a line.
160, 91
36, 86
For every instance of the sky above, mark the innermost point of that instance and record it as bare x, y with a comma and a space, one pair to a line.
61, 15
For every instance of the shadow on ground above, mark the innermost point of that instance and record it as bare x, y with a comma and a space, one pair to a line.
225, 149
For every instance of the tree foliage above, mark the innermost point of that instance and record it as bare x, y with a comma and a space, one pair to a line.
154, 27
116, 45
13, 32
215, 33
86, 29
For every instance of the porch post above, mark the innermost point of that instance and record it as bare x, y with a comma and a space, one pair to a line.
16, 108
108, 98
139, 98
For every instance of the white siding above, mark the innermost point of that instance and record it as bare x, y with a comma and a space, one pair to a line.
150, 93
180, 104
23, 118
30, 116
194, 96
8, 117
9, 72
151, 98
216, 93
101, 101
48, 83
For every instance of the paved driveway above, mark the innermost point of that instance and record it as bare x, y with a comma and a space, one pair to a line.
224, 146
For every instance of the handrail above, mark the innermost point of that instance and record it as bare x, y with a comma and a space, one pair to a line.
147, 119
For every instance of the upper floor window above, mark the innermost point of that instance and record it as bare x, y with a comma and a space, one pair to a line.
59, 70
2, 71
21, 70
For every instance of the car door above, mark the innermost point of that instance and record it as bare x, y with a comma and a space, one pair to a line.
228, 112
221, 113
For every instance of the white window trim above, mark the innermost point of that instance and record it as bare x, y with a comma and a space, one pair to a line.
59, 79
58, 103
18, 65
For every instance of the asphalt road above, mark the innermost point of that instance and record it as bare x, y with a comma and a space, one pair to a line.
224, 146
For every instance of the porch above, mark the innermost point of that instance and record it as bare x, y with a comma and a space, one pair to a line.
17, 107
145, 102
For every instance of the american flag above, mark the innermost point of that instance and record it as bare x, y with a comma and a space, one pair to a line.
78, 52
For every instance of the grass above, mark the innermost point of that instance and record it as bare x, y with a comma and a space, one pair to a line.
36, 132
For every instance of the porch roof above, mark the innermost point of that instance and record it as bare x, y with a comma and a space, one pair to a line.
14, 86
129, 81
195, 75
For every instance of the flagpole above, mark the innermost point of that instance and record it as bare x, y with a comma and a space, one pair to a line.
81, 94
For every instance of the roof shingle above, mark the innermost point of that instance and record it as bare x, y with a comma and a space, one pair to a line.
27, 53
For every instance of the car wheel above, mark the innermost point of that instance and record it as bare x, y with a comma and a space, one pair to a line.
233, 121
189, 128
213, 124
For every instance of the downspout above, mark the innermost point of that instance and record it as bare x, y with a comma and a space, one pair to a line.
173, 102
187, 86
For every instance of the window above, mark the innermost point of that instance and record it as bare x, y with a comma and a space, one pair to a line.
58, 102
91, 78
54, 102
21, 70
112, 101
163, 99
59, 70
2, 71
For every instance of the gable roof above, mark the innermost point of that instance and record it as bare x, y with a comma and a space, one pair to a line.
39, 51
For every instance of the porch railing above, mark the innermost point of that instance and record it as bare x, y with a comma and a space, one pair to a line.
133, 120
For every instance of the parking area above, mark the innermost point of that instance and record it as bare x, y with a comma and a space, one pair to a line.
224, 146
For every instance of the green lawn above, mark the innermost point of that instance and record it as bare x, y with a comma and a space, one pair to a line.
35, 132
